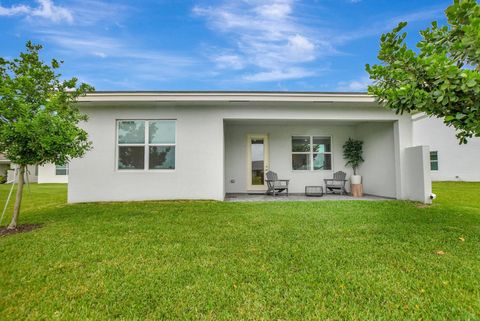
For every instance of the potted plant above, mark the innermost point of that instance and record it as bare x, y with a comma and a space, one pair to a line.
352, 153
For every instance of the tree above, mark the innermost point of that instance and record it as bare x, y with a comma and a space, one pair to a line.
441, 78
38, 117
353, 153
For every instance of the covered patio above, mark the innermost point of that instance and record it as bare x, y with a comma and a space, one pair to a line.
244, 197
306, 152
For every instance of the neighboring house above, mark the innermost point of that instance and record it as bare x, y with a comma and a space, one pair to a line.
31, 175
48, 173
450, 161
51, 173
4, 167
202, 145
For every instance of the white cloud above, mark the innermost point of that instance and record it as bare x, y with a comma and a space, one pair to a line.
355, 85
99, 54
46, 9
301, 48
107, 57
265, 35
385, 25
81, 43
100, 13
275, 10
90, 44
14, 10
229, 62
277, 75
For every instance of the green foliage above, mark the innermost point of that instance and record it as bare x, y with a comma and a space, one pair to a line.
441, 77
327, 260
38, 117
353, 153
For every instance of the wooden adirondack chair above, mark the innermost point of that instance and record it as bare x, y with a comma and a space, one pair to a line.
276, 185
337, 183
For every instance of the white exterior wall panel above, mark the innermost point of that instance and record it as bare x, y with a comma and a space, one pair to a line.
455, 162
47, 174
199, 159
418, 182
378, 171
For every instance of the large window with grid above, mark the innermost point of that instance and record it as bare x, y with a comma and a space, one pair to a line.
146, 144
311, 153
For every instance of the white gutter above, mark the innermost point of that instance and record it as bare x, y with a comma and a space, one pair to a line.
227, 97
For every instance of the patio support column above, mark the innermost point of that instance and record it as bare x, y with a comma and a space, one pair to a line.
402, 131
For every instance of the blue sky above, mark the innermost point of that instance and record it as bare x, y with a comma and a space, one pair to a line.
290, 45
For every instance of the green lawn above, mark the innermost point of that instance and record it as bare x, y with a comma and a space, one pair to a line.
230, 261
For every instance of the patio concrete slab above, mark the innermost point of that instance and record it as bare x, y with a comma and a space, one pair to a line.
244, 197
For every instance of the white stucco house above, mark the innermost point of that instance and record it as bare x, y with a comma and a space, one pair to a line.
52, 173
449, 160
204, 145
48, 173
7, 170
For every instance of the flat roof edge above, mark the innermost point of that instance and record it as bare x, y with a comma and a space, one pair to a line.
227, 96
221, 92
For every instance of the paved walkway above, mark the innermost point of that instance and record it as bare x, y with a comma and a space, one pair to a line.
244, 197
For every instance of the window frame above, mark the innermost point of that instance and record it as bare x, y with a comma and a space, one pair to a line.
146, 145
311, 153
66, 170
434, 161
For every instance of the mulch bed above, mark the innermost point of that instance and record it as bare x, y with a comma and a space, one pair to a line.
20, 229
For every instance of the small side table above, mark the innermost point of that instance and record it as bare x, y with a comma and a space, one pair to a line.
316, 191
357, 190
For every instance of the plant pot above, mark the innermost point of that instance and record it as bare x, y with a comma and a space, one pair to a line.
356, 179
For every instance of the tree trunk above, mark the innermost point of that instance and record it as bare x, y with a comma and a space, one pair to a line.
18, 199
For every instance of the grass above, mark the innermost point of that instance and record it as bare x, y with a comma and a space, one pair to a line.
230, 261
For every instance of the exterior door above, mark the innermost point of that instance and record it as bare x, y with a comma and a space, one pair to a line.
257, 162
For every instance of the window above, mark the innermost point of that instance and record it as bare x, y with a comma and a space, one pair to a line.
434, 161
311, 153
61, 169
146, 144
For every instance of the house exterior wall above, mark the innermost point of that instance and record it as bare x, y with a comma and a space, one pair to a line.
31, 175
455, 162
419, 182
199, 158
378, 170
47, 174
201, 171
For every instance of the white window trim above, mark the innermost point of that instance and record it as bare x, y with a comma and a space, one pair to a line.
311, 153
146, 146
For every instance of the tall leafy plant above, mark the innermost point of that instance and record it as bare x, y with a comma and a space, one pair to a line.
353, 153
38, 116
441, 77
